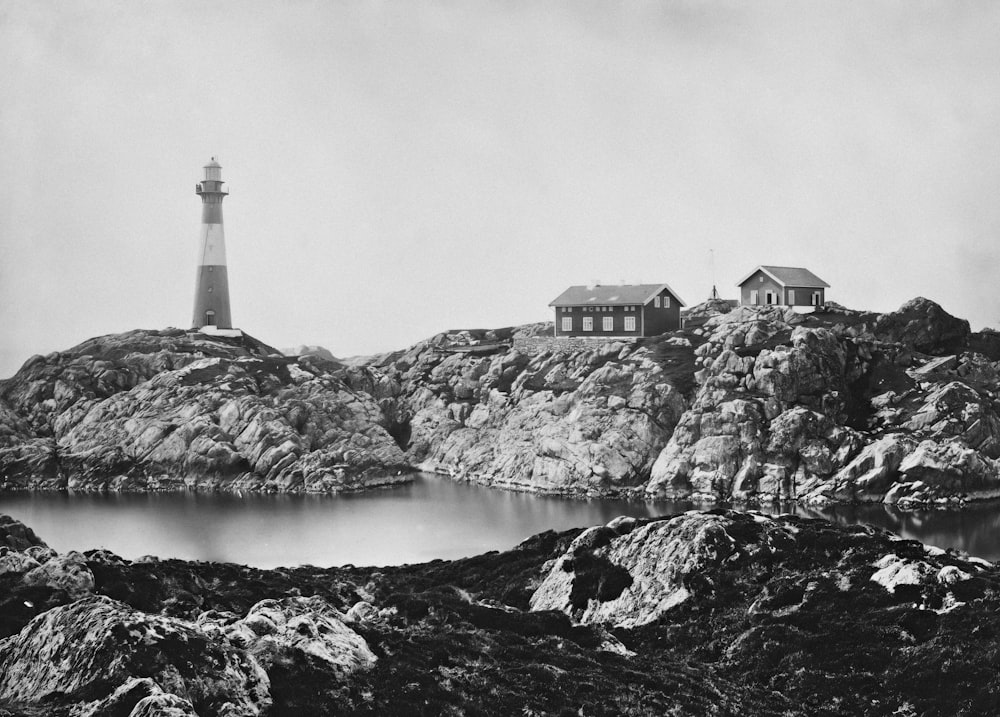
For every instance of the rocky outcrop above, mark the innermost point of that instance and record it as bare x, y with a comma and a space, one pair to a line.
629, 576
923, 325
319, 352
716, 612
825, 407
15, 535
79, 647
153, 410
305, 631
581, 422
74, 652
747, 404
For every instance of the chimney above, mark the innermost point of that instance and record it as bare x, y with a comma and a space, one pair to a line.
593, 284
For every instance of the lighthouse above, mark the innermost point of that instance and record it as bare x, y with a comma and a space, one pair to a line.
211, 295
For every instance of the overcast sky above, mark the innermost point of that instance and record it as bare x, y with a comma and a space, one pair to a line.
401, 168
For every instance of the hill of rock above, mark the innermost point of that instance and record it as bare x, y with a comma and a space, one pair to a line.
751, 403
746, 404
166, 409
705, 613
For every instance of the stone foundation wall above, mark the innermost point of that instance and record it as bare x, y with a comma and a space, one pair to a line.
538, 344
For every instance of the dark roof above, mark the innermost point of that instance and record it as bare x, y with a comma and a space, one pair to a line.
612, 295
788, 276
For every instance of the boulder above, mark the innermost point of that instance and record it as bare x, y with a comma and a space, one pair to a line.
923, 325
296, 630
635, 579
16, 535
87, 649
68, 573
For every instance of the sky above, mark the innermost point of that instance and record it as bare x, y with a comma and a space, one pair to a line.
398, 169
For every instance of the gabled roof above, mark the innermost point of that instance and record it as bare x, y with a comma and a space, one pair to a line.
788, 276
613, 295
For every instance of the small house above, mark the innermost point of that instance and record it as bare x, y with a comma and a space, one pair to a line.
624, 310
782, 286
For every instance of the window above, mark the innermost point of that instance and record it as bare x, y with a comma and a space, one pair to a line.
609, 323
630, 323
567, 324
588, 323
666, 302
770, 298
754, 297
791, 297
817, 298
656, 302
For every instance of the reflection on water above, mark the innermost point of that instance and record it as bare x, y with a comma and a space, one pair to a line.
431, 518
975, 529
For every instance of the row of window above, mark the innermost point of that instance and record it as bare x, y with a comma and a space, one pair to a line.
657, 303
607, 323
771, 297
597, 309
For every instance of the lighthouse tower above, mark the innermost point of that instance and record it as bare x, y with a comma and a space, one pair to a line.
211, 295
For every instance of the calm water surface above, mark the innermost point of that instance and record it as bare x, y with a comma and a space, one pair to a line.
431, 518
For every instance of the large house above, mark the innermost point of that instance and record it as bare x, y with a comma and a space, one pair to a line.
782, 286
624, 310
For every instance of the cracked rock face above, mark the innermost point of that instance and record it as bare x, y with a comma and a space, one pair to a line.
304, 630
755, 404
822, 408
714, 610
633, 577
582, 422
107, 657
168, 409
76, 650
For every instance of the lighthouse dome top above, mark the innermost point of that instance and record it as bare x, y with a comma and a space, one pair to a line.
213, 171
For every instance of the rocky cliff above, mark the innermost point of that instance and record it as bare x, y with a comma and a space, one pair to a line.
589, 420
166, 409
705, 613
746, 404
755, 403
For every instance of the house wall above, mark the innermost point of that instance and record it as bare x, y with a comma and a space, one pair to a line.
617, 313
659, 321
649, 321
803, 295
762, 283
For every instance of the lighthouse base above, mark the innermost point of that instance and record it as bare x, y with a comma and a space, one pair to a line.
215, 331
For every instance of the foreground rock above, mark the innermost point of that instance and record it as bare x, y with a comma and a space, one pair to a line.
166, 409
717, 613
72, 653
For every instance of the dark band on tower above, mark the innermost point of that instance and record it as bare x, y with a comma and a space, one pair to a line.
211, 296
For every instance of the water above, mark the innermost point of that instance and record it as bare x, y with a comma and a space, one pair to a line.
431, 518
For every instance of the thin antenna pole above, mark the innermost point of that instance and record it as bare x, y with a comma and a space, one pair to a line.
711, 261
